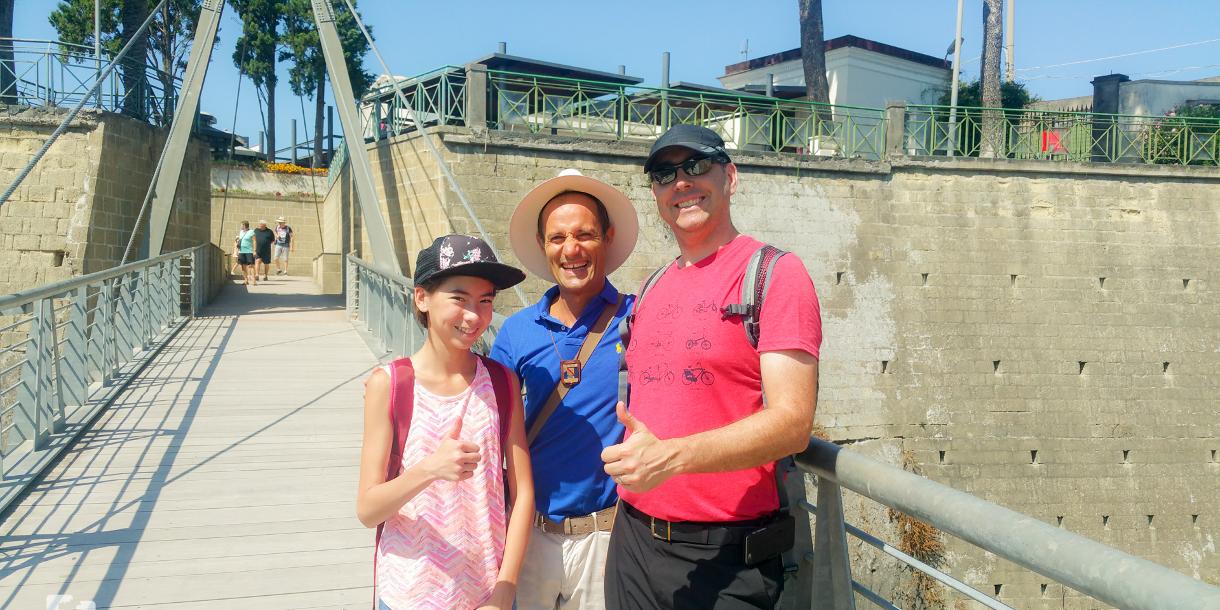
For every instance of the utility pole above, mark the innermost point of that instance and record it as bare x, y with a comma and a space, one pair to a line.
957, 62
1010, 68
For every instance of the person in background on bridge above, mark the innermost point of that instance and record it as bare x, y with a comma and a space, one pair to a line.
236, 264
571, 230
263, 238
699, 525
283, 245
436, 427
245, 254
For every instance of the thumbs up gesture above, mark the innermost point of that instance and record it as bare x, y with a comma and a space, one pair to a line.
641, 461
454, 459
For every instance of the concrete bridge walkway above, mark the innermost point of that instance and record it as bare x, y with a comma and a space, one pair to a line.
224, 477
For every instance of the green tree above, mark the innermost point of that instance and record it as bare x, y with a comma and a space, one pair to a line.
169, 36
813, 51
1013, 95
308, 73
257, 51
970, 130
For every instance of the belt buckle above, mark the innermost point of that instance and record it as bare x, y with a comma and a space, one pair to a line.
652, 527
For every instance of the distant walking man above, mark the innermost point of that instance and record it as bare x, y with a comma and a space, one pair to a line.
263, 238
699, 525
283, 245
571, 230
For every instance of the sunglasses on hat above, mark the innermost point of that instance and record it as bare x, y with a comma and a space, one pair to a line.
694, 166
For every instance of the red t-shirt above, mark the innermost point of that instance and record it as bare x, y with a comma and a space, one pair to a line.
692, 371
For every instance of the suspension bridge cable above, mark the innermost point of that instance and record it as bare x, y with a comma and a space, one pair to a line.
224, 203
313, 178
152, 184
63, 126
440, 161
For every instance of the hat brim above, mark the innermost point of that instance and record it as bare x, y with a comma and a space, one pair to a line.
500, 275
523, 226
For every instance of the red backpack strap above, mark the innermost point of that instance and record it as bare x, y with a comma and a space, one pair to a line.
503, 389
402, 399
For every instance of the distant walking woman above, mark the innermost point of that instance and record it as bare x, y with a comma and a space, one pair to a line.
245, 253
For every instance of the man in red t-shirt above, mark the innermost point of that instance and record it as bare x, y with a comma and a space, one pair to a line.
696, 468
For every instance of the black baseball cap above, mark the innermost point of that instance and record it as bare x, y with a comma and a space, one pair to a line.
693, 137
464, 255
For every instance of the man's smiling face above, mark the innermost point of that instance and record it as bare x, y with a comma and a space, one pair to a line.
575, 243
694, 206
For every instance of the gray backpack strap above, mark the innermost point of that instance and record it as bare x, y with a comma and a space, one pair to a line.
754, 287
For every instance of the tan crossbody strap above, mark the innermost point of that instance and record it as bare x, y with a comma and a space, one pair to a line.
586, 349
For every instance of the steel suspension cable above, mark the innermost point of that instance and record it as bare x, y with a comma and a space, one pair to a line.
313, 165
224, 203
63, 126
440, 161
152, 184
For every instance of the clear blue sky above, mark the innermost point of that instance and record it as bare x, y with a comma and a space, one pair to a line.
703, 37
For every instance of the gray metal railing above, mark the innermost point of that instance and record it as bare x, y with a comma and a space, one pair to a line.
1092, 568
66, 347
383, 308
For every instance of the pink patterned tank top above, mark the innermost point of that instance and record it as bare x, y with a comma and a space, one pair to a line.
444, 547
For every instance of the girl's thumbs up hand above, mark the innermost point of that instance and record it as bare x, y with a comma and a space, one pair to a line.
454, 459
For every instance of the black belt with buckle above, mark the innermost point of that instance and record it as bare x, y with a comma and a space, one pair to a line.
719, 533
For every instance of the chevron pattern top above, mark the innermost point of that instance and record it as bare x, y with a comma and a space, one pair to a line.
444, 547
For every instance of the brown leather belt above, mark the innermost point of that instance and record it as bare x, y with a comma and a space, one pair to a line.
600, 521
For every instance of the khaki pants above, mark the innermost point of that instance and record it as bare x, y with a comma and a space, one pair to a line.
563, 572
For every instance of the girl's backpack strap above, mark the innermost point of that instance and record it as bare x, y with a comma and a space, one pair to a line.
402, 399
503, 389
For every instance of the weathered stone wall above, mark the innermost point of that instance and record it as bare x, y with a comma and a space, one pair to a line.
74, 213
968, 325
244, 194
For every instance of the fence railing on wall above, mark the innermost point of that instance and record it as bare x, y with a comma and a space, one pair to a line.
55, 73
1094, 569
1060, 136
66, 347
544, 104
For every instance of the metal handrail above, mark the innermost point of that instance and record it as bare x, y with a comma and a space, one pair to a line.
86, 336
1092, 568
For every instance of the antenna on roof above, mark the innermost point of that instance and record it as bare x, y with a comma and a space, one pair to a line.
745, 49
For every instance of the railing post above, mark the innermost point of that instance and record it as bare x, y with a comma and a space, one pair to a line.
146, 313
799, 591
35, 376
831, 566
476, 96
895, 128
74, 374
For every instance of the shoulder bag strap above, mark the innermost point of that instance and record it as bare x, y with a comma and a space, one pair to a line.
586, 349
402, 400
503, 390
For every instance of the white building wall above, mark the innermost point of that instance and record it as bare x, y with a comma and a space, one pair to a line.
857, 77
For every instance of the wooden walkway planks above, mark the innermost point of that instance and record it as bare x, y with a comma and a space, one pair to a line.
223, 478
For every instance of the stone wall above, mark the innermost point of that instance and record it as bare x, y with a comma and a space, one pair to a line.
1043, 335
244, 194
75, 211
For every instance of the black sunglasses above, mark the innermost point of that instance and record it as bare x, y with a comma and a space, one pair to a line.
694, 166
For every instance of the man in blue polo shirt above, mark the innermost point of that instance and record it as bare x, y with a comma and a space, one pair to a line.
571, 230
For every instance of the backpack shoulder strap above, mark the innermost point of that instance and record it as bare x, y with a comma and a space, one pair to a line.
502, 387
754, 287
639, 297
402, 400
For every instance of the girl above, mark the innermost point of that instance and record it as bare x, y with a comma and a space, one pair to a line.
437, 429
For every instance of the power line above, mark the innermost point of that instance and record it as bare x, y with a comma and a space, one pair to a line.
1133, 53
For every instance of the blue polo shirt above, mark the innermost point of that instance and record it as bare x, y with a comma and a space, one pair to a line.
566, 456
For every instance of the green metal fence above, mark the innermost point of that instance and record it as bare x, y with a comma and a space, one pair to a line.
437, 97
1060, 136
54, 73
553, 105
584, 108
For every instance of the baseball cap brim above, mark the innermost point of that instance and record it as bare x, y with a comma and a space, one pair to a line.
523, 226
500, 275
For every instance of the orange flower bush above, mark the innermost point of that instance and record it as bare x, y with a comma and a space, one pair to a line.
289, 168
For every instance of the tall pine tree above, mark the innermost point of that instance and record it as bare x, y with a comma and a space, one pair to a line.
308, 73
256, 52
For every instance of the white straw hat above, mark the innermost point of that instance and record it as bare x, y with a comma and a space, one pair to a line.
523, 227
